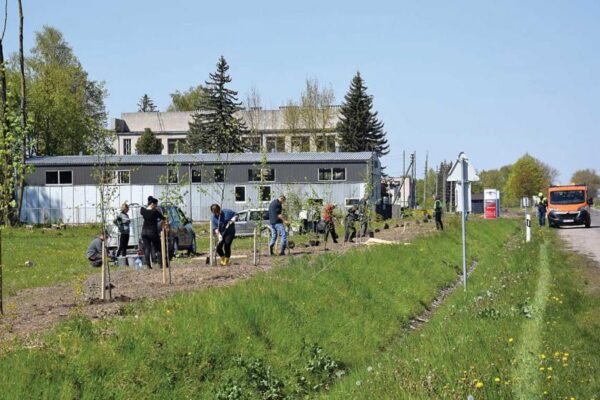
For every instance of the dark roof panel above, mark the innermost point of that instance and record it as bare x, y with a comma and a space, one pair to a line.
207, 158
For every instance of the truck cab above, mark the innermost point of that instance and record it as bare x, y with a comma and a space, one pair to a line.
569, 205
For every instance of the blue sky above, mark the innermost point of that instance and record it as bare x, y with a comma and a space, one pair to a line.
493, 79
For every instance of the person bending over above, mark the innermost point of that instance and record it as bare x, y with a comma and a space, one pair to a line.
223, 225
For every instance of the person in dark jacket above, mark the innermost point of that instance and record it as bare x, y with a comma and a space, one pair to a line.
222, 223
363, 213
150, 233
94, 251
542, 208
278, 222
122, 221
437, 209
350, 224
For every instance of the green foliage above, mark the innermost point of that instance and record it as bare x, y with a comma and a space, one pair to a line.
148, 143
359, 128
189, 100
67, 108
146, 104
214, 127
590, 178
528, 176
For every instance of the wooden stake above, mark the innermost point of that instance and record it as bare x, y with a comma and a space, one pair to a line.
254, 246
164, 256
1, 283
103, 279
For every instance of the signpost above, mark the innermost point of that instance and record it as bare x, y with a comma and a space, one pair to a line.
463, 174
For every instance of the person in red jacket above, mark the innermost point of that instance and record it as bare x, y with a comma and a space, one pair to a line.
329, 222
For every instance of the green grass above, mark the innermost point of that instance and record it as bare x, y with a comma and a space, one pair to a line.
257, 338
57, 256
528, 328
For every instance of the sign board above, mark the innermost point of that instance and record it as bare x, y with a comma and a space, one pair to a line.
491, 203
458, 195
525, 202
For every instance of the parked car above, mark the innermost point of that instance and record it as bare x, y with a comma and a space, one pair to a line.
250, 219
181, 233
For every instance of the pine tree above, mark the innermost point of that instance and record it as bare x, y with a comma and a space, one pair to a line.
214, 128
359, 128
146, 104
148, 143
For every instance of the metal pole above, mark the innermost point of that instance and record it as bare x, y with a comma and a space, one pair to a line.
464, 219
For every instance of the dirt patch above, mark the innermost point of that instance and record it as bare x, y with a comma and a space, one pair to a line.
32, 311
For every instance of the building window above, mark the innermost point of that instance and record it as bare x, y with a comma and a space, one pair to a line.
126, 146
59, 177
276, 144
219, 175
332, 174
264, 193
261, 175
253, 143
300, 144
172, 175
123, 177
240, 194
196, 175
326, 143
176, 146
352, 202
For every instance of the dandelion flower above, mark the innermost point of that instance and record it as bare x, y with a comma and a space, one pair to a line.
510, 340
496, 379
549, 368
479, 385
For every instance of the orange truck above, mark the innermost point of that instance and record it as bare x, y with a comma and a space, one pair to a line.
569, 205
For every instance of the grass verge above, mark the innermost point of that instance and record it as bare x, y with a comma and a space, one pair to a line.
528, 328
292, 332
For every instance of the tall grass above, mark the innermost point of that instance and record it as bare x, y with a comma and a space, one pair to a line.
475, 343
295, 331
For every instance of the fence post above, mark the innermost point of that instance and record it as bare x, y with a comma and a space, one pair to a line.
254, 246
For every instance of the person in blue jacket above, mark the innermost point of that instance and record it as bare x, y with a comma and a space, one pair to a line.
222, 223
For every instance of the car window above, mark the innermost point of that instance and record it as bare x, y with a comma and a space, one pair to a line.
182, 216
255, 215
243, 216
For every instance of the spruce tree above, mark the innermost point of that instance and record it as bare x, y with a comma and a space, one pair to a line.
214, 127
359, 128
148, 143
146, 104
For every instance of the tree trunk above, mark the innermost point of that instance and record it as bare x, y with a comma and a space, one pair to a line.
21, 177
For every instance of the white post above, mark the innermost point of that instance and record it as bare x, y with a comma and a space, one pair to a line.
104, 262
464, 219
528, 227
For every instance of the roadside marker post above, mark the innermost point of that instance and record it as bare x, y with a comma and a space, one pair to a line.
528, 227
463, 174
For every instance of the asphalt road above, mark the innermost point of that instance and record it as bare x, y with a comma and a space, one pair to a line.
584, 240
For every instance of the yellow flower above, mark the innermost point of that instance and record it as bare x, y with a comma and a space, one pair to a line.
541, 368
510, 340
549, 368
543, 356
479, 385
496, 379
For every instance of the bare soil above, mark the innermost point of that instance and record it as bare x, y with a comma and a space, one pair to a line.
33, 311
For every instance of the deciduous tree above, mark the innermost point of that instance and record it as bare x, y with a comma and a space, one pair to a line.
189, 100
528, 176
588, 177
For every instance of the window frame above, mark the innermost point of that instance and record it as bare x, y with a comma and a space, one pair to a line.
126, 146
235, 188
260, 193
253, 171
118, 177
59, 183
222, 180
331, 172
170, 169
197, 170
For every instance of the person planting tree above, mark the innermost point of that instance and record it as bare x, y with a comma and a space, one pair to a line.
223, 226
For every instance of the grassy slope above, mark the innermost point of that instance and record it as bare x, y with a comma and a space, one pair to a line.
480, 343
353, 305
